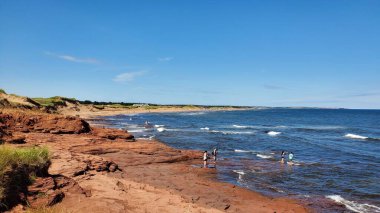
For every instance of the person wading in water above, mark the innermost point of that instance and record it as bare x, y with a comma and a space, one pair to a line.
215, 153
291, 156
282, 157
205, 158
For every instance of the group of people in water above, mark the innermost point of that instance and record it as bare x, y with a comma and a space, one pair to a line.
290, 157
206, 157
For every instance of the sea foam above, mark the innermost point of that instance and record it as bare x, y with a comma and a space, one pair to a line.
233, 132
240, 172
136, 130
239, 126
263, 156
161, 129
240, 150
354, 206
258, 126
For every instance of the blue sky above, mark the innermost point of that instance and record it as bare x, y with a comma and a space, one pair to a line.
323, 53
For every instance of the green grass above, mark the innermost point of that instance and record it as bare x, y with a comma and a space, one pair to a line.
151, 107
2, 91
13, 156
53, 101
117, 106
99, 106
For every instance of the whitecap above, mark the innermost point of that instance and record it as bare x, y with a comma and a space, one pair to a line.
263, 156
232, 132
177, 130
239, 126
354, 206
240, 150
353, 136
158, 126
240, 172
205, 128
258, 127
135, 130
161, 129
273, 133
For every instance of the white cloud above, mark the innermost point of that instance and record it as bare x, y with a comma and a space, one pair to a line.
165, 59
128, 76
73, 58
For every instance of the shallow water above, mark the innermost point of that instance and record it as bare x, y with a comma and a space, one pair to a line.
337, 152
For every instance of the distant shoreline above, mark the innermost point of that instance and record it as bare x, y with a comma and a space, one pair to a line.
86, 112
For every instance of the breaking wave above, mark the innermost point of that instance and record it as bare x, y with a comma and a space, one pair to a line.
263, 156
273, 133
161, 129
353, 136
240, 150
258, 127
136, 130
354, 206
232, 132
240, 172
238, 126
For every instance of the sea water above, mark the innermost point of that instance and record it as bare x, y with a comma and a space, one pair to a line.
336, 151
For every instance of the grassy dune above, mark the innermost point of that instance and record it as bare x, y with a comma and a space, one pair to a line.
53, 101
11, 157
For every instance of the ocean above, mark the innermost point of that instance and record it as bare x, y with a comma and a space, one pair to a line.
336, 151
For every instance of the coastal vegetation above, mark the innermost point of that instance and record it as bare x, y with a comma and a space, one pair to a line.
132, 105
54, 101
18, 167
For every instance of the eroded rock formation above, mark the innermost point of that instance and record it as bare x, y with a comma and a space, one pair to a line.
45, 123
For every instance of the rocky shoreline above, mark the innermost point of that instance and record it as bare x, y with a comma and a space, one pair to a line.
107, 170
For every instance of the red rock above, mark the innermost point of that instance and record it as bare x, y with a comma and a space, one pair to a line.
113, 134
45, 123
